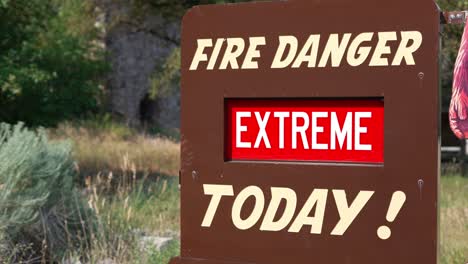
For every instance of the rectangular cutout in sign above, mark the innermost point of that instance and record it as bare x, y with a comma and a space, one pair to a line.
309, 130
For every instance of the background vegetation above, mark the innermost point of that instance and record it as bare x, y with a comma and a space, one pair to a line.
88, 189
49, 69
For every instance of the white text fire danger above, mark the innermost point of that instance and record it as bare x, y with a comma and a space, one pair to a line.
352, 49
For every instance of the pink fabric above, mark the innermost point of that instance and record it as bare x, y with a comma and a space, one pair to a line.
458, 112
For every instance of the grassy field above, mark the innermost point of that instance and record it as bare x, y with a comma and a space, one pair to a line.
454, 220
128, 180
101, 146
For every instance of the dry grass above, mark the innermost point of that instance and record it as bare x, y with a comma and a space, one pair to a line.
129, 185
126, 213
454, 220
112, 147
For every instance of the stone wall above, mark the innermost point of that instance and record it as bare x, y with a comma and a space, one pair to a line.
136, 47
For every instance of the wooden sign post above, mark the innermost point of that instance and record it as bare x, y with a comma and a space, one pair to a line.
310, 133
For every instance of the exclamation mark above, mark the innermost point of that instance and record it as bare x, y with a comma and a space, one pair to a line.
398, 199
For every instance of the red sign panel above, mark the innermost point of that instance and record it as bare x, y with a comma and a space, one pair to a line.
305, 130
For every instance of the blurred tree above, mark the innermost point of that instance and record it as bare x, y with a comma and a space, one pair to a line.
49, 66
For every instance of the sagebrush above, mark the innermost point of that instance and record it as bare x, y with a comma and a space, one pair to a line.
41, 214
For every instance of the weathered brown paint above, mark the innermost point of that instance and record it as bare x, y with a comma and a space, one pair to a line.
411, 135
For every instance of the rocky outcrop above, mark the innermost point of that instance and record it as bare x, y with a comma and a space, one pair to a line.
136, 47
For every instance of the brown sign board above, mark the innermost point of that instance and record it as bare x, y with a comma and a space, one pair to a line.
310, 132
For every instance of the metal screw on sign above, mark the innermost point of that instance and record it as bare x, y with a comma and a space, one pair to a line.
421, 79
421, 185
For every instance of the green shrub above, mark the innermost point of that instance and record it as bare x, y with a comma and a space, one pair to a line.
49, 64
40, 213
